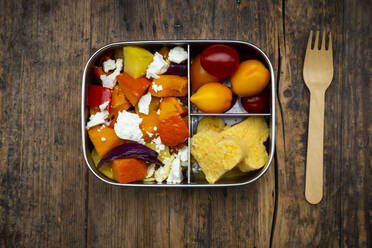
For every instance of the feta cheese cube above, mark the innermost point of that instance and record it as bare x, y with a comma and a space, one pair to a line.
150, 170
109, 65
144, 103
127, 127
183, 155
157, 66
159, 146
110, 80
175, 174
97, 118
162, 173
104, 105
177, 55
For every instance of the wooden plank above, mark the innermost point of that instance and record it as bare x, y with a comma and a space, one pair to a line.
43, 47
299, 224
238, 217
356, 166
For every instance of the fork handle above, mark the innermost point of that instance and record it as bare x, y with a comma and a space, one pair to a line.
314, 158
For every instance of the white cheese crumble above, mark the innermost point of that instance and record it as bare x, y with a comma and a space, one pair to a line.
104, 105
156, 87
144, 103
127, 127
158, 113
150, 170
109, 65
159, 146
103, 139
177, 55
156, 128
183, 154
97, 118
110, 80
162, 173
175, 174
149, 134
157, 66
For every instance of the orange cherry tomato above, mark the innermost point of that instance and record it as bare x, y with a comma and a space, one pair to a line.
199, 76
250, 79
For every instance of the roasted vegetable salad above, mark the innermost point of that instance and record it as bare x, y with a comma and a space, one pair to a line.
137, 122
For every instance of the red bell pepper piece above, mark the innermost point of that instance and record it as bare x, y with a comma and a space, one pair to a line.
98, 95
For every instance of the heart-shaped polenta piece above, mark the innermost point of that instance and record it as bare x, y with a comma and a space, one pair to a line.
216, 154
253, 131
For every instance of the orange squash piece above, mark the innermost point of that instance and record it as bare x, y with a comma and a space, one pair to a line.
149, 122
104, 139
133, 88
172, 85
171, 106
128, 170
173, 130
118, 98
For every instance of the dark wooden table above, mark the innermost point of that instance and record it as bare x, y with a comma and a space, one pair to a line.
48, 198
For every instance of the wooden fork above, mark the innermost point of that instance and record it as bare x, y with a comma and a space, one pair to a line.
318, 74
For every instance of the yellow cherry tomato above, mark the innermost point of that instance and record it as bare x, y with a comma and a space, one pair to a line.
212, 98
250, 79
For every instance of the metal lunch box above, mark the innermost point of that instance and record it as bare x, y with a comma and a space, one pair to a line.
194, 177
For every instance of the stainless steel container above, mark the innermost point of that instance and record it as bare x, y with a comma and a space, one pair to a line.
235, 114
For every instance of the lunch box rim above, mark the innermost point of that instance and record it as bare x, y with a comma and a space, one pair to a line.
188, 42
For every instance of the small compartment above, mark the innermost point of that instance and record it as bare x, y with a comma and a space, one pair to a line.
245, 53
235, 175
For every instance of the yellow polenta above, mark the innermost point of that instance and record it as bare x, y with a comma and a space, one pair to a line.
254, 132
219, 148
216, 154
210, 123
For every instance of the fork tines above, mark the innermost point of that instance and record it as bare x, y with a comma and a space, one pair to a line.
323, 42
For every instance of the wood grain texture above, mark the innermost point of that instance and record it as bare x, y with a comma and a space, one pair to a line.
356, 119
48, 198
43, 179
299, 224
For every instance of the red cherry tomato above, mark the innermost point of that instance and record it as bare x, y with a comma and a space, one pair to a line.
256, 104
220, 60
